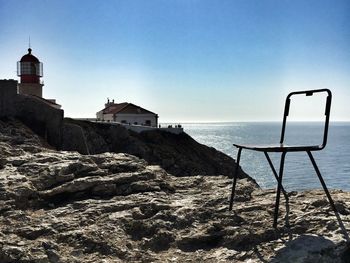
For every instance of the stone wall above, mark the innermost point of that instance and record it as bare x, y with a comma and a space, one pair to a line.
31, 88
8, 92
42, 118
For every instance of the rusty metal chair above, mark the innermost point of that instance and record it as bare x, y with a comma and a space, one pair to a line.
284, 149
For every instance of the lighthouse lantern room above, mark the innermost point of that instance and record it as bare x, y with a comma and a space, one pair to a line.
30, 70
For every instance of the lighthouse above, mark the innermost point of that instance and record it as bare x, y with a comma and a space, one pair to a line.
30, 70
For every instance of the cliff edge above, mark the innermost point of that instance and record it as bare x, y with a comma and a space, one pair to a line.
178, 154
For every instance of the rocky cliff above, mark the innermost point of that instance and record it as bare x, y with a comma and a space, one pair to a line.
178, 154
109, 207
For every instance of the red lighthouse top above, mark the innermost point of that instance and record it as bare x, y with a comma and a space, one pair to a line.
29, 68
29, 57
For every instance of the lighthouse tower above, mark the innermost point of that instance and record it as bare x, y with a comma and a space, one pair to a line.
30, 70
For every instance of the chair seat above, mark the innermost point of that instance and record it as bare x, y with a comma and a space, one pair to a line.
279, 147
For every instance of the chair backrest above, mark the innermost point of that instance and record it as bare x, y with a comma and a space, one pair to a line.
327, 111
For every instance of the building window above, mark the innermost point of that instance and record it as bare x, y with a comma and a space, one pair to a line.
148, 123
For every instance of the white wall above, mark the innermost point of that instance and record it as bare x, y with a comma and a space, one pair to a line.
105, 117
140, 119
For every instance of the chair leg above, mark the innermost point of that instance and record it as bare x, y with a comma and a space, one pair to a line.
275, 174
279, 189
235, 176
322, 182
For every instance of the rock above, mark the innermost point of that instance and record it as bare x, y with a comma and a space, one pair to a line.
307, 248
3, 161
160, 241
115, 207
11, 253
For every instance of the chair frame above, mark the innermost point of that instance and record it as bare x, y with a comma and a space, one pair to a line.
284, 149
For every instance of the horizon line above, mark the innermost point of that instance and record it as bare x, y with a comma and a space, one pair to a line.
247, 121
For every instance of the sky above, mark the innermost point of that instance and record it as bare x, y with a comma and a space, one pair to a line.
187, 60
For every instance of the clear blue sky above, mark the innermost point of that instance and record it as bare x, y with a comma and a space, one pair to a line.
187, 60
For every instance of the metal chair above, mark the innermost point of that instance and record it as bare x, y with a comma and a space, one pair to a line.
284, 149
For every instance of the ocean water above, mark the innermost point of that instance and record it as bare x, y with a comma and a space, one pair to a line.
333, 161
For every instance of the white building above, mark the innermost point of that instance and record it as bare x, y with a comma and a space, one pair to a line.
127, 113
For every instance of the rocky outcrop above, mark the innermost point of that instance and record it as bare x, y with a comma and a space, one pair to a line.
68, 207
178, 154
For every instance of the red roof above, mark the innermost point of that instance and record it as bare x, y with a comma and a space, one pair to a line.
125, 108
29, 57
114, 108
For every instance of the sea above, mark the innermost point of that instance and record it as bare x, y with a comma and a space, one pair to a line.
333, 161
